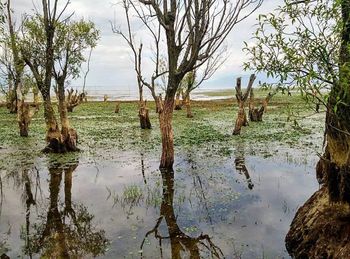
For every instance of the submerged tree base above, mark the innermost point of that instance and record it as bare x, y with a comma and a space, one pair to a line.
63, 143
320, 229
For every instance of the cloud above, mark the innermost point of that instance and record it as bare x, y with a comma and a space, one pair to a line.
111, 65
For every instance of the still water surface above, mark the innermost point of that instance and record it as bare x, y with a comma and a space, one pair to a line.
239, 206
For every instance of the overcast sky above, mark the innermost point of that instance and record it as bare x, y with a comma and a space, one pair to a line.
111, 65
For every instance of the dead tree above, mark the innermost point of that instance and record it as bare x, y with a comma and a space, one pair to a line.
185, 36
255, 113
241, 100
73, 99
145, 122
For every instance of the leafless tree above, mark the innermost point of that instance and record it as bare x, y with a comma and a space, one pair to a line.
185, 35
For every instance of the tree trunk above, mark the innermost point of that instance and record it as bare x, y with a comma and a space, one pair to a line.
166, 130
241, 120
69, 136
241, 100
12, 105
188, 106
23, 118
321, 227
145, 122
178, 105
53, 135
36, 99
117, 108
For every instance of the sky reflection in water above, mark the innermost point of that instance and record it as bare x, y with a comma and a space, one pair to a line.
210, 206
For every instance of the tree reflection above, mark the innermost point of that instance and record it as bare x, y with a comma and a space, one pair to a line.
240, 165
179, 241
66, 230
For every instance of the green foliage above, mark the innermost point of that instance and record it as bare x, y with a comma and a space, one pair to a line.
298, 45
71, 40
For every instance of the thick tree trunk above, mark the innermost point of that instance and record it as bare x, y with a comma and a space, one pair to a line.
166, 130
69, 136
321, 227
241, 119
53, 134
145, 122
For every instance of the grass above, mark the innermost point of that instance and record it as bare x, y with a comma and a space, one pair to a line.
103, 133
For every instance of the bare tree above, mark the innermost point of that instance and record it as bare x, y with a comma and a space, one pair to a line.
194, 79
185, 36
241, 100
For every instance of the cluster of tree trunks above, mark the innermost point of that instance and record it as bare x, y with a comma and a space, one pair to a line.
255, 113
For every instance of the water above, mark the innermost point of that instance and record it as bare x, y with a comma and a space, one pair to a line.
239, 206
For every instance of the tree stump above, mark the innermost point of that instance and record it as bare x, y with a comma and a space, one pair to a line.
105, 98
145, 122
116, 108
73, 99
256, 114
241, 100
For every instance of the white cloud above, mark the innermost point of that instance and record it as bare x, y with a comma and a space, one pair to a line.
111, 63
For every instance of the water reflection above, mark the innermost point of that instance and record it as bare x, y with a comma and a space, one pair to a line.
182, 245
240, 164
66, 230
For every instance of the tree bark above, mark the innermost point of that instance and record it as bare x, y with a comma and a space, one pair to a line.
188, 106
241, 100
321, 227
178, 105
69, 136
24, 117
166, 129
145, 122
53, 134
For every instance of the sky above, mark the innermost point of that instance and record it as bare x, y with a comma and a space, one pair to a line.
111, 66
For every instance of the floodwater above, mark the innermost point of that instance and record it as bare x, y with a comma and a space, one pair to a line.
239, 206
